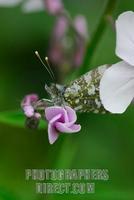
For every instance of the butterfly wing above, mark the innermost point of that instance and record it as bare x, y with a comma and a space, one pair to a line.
83, 93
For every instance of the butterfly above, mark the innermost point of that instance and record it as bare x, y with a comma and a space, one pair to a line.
81, 94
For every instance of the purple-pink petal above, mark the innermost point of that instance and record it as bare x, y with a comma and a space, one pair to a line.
31, 98
81, 26
55, 119
52, 134
79, 53
65, 129
51, 112
53, 6
56, 52
27, 105
52, 131
60, 28
28, 110
71, 114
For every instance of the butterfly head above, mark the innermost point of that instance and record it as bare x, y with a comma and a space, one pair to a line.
55, 91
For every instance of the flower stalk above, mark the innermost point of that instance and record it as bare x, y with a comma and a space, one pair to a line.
91, 47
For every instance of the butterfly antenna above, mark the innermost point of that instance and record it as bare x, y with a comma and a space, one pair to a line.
49, 67
46, 67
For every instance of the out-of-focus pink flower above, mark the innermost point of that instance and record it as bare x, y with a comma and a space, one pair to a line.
79, 54
60, 120
81, 27
56, 48
53, 6
63, 49
80, 24
56, 53
27, 105
60, 27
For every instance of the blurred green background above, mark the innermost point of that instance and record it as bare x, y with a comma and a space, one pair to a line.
104, 141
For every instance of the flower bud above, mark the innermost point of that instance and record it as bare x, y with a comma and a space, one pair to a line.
53, 6
81, 26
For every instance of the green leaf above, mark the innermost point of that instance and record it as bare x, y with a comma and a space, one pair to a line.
17, 119
6, 195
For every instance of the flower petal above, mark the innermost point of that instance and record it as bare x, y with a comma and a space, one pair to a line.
71, 115
52, 134
60, 28
28, 110
51, 112
55, 119
81, 26
29, 99
117, 87
125, 37
53, 6
64, 128
52, 131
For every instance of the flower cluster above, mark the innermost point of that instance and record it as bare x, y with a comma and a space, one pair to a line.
67, 49
60, 119
63, 49
27, 105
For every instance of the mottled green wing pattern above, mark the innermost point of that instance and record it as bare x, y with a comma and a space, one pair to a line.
83, 93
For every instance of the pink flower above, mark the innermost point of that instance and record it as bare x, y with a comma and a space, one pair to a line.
79, 53
60, 120
81, 26
56, 48
60, 27
56, 53
53, 6
27, 105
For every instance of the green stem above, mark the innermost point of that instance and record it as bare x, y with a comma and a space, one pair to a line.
66, 154
91, 47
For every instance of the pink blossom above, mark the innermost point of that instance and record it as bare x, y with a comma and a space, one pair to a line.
79, 53
60, 27
60, 120
81, 27
27, 105
56, 50
56, 53
80, 24
53, 6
